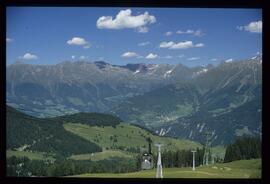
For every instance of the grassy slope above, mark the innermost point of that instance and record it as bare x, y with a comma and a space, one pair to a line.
236, 169
102, 155
30, 155
127, 136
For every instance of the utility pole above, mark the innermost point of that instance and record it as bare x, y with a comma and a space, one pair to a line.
149, 145
159, 173
213, 158
193, 152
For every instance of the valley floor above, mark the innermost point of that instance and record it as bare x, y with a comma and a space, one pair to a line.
236, 169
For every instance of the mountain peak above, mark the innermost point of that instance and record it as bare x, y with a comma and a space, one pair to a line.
101, 64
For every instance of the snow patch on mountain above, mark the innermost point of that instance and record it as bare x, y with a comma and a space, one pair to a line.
190, 134
202, 71
167, 73
137, 71
153, 67
168, 130
162, 132
202, 126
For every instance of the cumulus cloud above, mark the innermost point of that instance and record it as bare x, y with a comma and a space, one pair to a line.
124, 19
229, 60
151, 56
77, 41
193, 58
73, 57
143, 44
129, 54
166, 44
168, 33
9, 40
179, 45
28, 56
253, 27
192, 32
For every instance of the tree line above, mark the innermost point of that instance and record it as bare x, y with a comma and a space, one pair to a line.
92, 119
243, 148
181, 158
23, 166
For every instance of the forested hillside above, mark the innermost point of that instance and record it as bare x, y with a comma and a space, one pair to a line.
29, 133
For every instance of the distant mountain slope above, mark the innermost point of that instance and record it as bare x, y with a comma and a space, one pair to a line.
25, 132
225, 99
160, 106
70, 87
165, 98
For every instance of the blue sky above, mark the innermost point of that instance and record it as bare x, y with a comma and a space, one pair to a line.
190, 36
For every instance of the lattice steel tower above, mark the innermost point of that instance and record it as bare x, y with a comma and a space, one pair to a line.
159, 173
207, 150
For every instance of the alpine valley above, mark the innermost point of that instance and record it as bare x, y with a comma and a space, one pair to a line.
169, 100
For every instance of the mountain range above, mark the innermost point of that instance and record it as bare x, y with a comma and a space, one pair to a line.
173, 100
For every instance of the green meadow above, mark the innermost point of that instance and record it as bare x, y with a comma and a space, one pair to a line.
235, 169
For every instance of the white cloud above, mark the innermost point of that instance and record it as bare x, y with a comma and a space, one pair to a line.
179, 45
143, 44
253, 27
168, 33
199, 45
77, 41
143, 29
9, 40
151, 56
228, 60
73, 57
28, 56
214, 59
189, 31
198, 33
166, 44
129, 54
193, 32
193, 58
124, 19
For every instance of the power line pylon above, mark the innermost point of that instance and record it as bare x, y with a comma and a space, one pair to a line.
207, 149
159, 173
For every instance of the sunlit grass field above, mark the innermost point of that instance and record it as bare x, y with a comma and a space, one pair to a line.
30, 155
236, 169
102, 155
